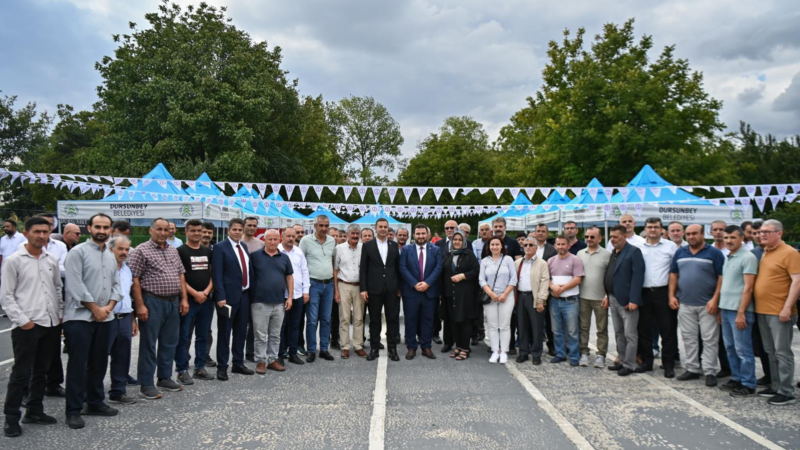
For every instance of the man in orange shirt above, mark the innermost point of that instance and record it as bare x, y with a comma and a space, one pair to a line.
776, 291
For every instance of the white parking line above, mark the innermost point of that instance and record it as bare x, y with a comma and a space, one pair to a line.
569, 430
705, 409
377, 424
6, 330
3, 363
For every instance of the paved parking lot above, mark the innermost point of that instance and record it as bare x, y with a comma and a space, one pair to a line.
425, 403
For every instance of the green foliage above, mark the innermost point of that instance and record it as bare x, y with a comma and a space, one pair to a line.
608, 110
369, 139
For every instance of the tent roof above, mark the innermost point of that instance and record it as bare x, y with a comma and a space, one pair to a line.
553, 199
200, 189
586, 198
648, 178
370, 218
334, 219
144, 193
285, 210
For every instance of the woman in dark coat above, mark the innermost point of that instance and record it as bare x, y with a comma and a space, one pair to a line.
460, 271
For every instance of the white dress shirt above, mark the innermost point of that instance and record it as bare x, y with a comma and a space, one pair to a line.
424, 255
540, 250
724, 250
634, 240
383, 249
175, 242
239, 259
348, 262
657, 260
302, 281
10, 245
524, 283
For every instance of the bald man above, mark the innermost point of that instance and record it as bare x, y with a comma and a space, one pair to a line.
71, 236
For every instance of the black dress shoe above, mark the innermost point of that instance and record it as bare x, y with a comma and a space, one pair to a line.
294, 359
325, 355
210, 362
475, 341
669, 373
711, 380
537, 361
75, 422
551, 351
512, 351
242, 370
222, 374
615, 367
57, 391
640, 369
41, 419
381, 346
336, 345
522, 358
373, 354
251, 358
393, 354
446, 348
437, 340
724, 373
311, 357
12, 429
688, 376
624, 372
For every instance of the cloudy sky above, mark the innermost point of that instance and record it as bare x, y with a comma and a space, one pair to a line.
426, 59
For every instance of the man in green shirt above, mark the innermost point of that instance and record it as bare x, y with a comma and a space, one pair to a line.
319, 249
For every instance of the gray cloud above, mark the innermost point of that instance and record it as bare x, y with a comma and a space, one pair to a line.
789, 100
751, 95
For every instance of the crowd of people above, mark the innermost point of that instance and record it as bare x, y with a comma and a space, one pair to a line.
290, 295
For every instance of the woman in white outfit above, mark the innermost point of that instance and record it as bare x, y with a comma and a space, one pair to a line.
498, 279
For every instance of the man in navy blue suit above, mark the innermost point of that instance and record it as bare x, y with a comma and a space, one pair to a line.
420, 268
231, 272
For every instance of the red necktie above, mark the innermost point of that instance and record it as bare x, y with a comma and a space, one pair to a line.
421, 265
244, 265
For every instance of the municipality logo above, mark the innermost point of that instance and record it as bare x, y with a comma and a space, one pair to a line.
186, 210
737, 215
72, 210
208, 210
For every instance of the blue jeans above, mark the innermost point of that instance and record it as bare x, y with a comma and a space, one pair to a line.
200, 315
318, 309
162, 327
739, 345
565, 310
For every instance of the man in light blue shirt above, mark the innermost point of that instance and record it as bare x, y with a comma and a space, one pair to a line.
92, 288
123, 326
171, 239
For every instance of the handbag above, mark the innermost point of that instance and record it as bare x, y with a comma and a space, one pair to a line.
484, 298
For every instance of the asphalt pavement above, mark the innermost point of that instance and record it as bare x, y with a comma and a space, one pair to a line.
420, 404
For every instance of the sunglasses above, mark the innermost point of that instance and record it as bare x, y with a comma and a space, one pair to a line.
449, 228
590, 237
529, 245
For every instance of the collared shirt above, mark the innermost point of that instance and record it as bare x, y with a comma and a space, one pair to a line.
748, 246
246, 254
657, 259
158, 269
125, 305
563, 270
697, 274
91, 278
31, 289
55, 248
417, 249
477, 245
577, 246
254, 245
270, 272
10, 245
348, 262
383, 249
302, 282
499, 274
737, 265
319, 256
524, 282
774, 281
635, 240
540, 250
175, 242
594, 266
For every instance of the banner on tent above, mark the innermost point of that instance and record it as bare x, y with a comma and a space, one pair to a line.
130, 210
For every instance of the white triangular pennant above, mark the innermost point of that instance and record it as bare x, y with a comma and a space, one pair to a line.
782, 189
736, 190
392, 192
673, 189
347, 190
317, 190
593, 193
437, 192
289, 190
362, 192
656, 191
453, 192
220, 185
303, 191
719, 189
119, 180
731, 202
531, 192
235, 187
625, 192
483, 190
765, 189
751, 191
714, 201
761, 201
498, 192
466, 191
775, 199
422, 191
376, 192
545, 192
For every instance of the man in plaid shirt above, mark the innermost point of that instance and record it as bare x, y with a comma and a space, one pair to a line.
160, 297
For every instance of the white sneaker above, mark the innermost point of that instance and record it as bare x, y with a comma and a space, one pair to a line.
584, 362
600, 362
503, 358
494, 358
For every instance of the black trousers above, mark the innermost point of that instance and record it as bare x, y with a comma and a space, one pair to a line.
301, 330
236, 325
55, 374
462, 332
32, 356
477, 325
448, 335
334, 322
513, 325
390, 303
551, 343
437, 318
666, 319
758, 349
645, 325
531, 323
88, 361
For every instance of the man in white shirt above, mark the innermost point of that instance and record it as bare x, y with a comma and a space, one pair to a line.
627, 221
675, 232
657, 253
9, 244
346, 292
290, 331
718, 233
171, 239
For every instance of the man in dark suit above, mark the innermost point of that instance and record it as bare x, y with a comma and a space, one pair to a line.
420, 268
379, 282
440, 316
623, 282
231, 273
545, 251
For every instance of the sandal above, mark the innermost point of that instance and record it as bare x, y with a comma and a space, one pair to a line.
455, 353
463, 355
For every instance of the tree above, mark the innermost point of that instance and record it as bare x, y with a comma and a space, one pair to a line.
21, 130
608, 110
198, 94
369, 139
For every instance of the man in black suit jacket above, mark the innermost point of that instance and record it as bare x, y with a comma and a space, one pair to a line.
379, 281
624, 280
440, 314
231, 272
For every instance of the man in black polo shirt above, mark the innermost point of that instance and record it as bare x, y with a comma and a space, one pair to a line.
196, 260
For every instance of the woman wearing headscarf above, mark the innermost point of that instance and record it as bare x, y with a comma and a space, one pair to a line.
460, 272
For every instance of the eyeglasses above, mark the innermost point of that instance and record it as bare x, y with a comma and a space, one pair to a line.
765, 231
